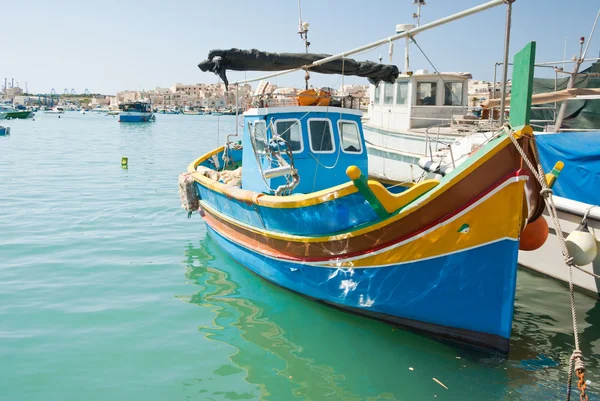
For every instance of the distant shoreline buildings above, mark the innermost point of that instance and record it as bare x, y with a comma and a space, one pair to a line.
194, 95
199, 95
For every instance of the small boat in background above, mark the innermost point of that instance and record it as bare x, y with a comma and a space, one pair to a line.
4, 130
135, 112
55, 110
216, 113
10, 113
99, 110
191, 111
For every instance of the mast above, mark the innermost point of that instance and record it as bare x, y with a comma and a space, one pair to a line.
578, 62
410, 32
417, 15
505, 65
303, 32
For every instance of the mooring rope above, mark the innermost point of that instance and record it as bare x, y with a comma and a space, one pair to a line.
577, 356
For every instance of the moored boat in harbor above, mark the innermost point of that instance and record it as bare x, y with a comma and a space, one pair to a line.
577, 201
9, 113
55, 110
304, 215
135, 112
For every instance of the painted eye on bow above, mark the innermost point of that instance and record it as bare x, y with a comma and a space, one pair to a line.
465, 228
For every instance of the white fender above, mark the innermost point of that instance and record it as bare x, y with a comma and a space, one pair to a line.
581, 244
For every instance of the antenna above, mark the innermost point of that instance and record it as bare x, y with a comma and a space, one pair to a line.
417, 15
303, 32
565, 54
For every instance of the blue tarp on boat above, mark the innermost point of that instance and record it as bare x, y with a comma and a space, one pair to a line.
580, 151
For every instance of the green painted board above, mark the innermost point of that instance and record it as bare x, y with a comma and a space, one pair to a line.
522, 86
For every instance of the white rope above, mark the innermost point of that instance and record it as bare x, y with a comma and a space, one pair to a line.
577, 356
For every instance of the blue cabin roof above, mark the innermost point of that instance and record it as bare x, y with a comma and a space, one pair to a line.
324, 141
137, 106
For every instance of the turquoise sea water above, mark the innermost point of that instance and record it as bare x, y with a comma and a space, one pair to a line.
108, 292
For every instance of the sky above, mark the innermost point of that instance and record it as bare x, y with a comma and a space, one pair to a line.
113, 45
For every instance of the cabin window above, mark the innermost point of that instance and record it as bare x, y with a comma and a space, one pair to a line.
291, 132
321, 137
426, 93
377, 91
401, 93
388, 94
258, 134
350, 137
453, 94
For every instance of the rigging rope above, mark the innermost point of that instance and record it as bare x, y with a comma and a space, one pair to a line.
538, 172
437, 72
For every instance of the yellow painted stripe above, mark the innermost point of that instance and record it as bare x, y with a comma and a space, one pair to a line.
438, 191
278, 202
297, 201
518, 181
499, 216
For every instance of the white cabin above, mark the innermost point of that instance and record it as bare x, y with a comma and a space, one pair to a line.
419, 100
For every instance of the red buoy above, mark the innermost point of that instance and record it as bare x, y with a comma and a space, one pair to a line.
534, 235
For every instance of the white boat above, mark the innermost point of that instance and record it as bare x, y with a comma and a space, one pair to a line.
55, 110
414, 118
577, 201
548, 260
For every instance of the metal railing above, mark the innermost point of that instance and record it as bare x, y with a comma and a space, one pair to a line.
293, 99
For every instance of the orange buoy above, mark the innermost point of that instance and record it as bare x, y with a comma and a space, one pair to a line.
534, 235
308, 97
324, 97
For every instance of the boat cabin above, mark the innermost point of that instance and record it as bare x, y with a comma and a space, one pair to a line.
319, 144
138, 107
419, 100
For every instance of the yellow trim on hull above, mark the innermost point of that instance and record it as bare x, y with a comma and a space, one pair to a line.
339, 191
364, 230
494, 218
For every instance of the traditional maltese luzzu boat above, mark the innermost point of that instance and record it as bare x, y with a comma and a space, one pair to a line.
438, 256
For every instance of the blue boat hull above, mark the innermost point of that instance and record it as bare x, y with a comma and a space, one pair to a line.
126, 117
459, 296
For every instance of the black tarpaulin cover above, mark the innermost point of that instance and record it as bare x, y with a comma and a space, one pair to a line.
219, 61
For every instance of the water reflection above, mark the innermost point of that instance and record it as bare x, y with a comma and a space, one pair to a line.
542, 337
134, 128
288, 346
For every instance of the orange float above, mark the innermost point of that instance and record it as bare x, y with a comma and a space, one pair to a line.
534, 235
311, 97
308, 97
